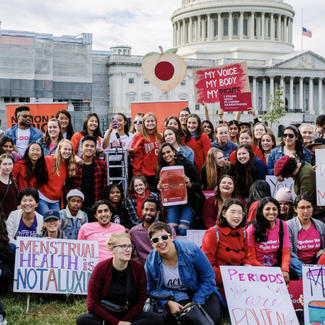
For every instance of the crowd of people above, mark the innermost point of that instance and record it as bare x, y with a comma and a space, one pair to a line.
56, 185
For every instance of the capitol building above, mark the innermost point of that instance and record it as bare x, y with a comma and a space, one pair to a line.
206, 32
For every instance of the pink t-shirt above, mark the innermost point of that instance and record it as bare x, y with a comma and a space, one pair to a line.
308, 244
266, 252
96, 232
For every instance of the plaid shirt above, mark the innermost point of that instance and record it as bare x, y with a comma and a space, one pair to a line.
100, 179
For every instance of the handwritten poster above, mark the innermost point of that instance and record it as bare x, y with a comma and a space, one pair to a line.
173, 188
314, 293
228, 79
48, 265
320, 176
275, 185
257, 295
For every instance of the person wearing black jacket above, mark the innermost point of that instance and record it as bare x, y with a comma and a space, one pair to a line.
181, 216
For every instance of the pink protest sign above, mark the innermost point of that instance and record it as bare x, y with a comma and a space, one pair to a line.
227, 79
236, 102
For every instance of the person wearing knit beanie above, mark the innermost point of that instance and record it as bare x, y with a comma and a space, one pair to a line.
285, 199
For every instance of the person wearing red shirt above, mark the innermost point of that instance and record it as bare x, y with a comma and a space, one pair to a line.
198, 141
226, 243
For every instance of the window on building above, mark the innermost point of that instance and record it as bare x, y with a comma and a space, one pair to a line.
24, 99
276, 27
146, 82
8, 99
197, 107
225, 27
131, 80
235, 27
183, 83
245, 27
255, 27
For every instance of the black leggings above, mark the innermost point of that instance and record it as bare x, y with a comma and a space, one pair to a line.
140, 319
212, 307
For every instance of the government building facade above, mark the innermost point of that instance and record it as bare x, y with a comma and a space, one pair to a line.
41, 67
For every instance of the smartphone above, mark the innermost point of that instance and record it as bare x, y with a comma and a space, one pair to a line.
114, 123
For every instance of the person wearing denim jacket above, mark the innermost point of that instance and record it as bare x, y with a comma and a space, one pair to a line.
196, 274
72, 218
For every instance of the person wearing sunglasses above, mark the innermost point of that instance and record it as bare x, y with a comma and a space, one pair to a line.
136, 126
121, 281
179, 269
291, 145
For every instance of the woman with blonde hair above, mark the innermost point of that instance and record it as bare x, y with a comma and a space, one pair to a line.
117, 288
214, 168
146, 146
60, 166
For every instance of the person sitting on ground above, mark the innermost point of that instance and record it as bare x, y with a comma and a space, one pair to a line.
121, 281
72, 218
101, 230
51, 225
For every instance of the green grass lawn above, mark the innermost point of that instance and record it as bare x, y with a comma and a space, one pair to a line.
53, 312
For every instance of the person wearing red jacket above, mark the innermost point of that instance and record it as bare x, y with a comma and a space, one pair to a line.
121, 281
198, 141
145, 150
226, 243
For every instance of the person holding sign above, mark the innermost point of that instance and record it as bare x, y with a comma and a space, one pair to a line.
117, 288
181, 270
306, 235
268, 238
181, 216
226, 243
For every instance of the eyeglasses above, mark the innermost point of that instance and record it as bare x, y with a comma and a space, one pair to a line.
184, 115
238, 213
137, 122
125, 247
164, 237
26, 116
305, 208
290, 135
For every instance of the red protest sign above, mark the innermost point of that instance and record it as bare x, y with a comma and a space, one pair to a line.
236, 102
210, 83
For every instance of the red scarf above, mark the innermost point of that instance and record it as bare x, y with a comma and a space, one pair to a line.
140, 201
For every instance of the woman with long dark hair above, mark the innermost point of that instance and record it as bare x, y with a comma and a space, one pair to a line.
291, 145
173, 121
65, 120
7, 146
267, 143
247, 169
208, 129
234, 129
197, 140
52, 137
90, 127
258, 130
31, 171
181, 216
268, 238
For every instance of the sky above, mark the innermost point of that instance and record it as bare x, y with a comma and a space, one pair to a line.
142, 24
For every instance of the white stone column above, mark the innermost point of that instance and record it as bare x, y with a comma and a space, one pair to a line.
220, 29
252, 25
272, 27
258, 27
320, 96
174, 35
179, 35
241, 25
254, 92
209, 34
290, 29
301, 93
263, 26
271, 89
311, 96
198, 31
286, 29
291, 94
204, 29
190, 30
279, 28
264, 94
230, 26
184, 32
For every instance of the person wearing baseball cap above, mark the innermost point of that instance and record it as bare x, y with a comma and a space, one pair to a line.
72, 218
51, 225
304, 179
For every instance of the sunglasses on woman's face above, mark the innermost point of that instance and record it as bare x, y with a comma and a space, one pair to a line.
155, 240
290, 135
137, 122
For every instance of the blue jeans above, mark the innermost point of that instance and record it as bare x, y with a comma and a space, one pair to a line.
180, 217
44, 206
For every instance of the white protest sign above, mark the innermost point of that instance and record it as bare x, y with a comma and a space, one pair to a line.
195, 236
275, 185
257, 295
314, 293
320, 176
50, 265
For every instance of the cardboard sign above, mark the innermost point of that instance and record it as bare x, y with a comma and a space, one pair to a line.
257, 295
320, 176
48, 265
162, 110
41, 113
236, 102
173, 188
228, 79
275, 185
295, 290
314, 293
